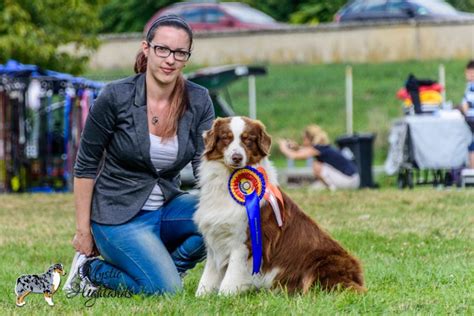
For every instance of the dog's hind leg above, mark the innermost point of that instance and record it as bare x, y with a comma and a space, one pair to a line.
340, 271
48, 297
20, 299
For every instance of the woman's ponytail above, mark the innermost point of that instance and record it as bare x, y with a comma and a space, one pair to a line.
140, 62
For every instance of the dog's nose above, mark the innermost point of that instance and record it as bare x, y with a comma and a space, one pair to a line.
237, 158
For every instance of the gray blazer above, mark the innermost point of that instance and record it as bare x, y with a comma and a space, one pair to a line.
118, 124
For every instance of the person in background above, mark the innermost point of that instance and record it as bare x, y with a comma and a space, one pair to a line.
467, 105
330, 167
140, 133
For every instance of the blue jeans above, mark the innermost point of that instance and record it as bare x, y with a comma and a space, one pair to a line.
148, 253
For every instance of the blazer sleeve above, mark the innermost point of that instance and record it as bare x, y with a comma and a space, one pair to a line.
204, 124
98, 130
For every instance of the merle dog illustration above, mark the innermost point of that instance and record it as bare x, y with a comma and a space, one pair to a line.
46, 283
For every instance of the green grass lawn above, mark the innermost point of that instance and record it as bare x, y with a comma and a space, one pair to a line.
294, 95
416, 247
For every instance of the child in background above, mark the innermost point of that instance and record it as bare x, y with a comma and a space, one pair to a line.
467, 105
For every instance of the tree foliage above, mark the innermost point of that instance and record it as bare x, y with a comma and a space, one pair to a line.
120, 16
32, 31
131, 15
463, 5
316, 11
278, 9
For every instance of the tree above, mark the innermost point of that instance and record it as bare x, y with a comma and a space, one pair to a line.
129, 15
32, 31
316, 11
278, 9
463, 5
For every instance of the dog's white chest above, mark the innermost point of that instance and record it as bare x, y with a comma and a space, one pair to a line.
56, 280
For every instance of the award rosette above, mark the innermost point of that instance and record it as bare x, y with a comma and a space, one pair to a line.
247, 187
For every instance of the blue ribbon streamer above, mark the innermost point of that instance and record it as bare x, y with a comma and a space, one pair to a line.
253, 213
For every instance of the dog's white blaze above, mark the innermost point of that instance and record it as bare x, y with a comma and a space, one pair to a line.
237, 125
56, 280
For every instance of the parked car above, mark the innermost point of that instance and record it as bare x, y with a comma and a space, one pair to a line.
379, 10
218, 16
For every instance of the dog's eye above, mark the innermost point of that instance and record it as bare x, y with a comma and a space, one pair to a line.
225, 138
249, 139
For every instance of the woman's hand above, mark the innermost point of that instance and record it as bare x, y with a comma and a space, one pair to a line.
283, 145
83, 242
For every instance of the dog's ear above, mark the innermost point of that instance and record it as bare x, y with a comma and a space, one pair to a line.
264, 140
210, 138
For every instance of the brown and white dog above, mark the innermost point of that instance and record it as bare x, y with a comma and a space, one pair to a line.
296, 256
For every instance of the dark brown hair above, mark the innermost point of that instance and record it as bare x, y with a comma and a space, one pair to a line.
179, 95
470, 64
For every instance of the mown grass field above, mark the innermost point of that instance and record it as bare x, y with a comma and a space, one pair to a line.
416, 247
292, 96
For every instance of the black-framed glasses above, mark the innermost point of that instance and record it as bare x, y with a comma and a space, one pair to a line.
164, 52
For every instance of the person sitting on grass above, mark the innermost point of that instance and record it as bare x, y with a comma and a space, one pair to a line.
467, 105
331, 168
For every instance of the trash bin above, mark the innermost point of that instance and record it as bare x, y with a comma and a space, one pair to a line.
358, 147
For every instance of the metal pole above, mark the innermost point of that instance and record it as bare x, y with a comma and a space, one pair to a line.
442, 81
252, 98
349, 100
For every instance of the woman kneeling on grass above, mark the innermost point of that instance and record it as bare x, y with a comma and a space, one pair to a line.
331, 168
145, 129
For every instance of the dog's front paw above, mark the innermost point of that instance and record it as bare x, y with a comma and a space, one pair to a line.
232, 289
204, 290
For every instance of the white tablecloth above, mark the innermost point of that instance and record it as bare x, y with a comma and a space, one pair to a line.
438, 141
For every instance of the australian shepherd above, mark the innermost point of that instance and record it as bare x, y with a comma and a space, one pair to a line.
297, 254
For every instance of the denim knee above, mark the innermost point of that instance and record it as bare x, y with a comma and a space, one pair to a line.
149, 287
190, 253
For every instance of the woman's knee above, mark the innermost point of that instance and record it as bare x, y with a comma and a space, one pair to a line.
160, 286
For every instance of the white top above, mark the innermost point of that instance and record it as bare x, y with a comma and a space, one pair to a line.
162, 155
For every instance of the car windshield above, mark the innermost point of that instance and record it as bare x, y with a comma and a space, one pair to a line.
247, 14
436, 6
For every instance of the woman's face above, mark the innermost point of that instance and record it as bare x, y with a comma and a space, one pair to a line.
165, 70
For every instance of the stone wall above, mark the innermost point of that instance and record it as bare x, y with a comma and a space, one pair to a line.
326, 43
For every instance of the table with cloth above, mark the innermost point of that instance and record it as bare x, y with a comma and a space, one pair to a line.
428, 142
